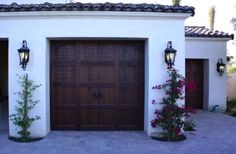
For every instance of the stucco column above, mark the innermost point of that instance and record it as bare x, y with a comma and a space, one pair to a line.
156, 71
217, 85
36, 71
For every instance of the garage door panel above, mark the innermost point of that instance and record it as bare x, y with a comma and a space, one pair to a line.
96, 52
64, 95
106, 52
64, 74
98, 85
130, 95
87, 52
90, 95
65, 53
97, 117
65, 119
131, 75
106, 95
96, 74
87, 95
194, 72
131, 52
65, 57
130, 118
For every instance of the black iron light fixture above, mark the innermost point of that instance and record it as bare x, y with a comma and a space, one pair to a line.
170, 54
220, 67
24, 54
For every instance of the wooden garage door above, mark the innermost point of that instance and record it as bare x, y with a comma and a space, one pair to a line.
194, 72
97, 85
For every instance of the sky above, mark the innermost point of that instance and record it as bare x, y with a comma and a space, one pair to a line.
225, 11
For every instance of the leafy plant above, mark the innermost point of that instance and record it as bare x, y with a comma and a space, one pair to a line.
231, 69
25, 104
233, 21
176, 2
171, 117
189, 124
230, 65
230, 104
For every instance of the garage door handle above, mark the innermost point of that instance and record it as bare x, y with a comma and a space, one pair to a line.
95, 95
99, 95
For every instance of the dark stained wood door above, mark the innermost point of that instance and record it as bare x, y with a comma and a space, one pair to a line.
97, 85
194, 72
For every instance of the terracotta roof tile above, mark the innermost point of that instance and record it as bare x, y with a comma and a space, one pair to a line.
201, 31
14, 7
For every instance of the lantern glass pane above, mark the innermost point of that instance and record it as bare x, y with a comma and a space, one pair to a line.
222, 68
168, 57
22, 55
172, 57
26, 56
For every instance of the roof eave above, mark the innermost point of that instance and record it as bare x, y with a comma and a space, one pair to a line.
209, 38
95, 14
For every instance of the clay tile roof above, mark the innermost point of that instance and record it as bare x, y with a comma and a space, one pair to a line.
14, 7
202, 31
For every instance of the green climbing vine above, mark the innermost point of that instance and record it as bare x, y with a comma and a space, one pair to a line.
21, 117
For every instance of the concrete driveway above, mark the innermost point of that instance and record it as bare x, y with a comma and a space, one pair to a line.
216, 133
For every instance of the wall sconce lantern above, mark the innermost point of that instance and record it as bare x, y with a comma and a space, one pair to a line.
220, 67
24, 54
170, 54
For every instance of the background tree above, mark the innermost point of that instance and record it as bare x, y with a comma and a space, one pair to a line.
176, 2
231, 68
233, 21
230, 65
212, 12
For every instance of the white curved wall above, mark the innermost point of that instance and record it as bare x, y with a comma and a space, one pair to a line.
39, 27
210, 50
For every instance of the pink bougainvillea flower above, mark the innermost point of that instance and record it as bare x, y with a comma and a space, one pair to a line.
154, 87
191, 86
177, 130
157, 87
181, 83
157, 112
154, 123
170, 117
190, 109
181, 98
176, 91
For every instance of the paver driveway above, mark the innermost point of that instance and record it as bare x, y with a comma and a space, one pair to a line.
216, 133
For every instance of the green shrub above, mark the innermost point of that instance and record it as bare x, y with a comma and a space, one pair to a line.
230, 104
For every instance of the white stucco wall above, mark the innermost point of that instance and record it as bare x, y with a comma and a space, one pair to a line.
210, 50
39, 27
